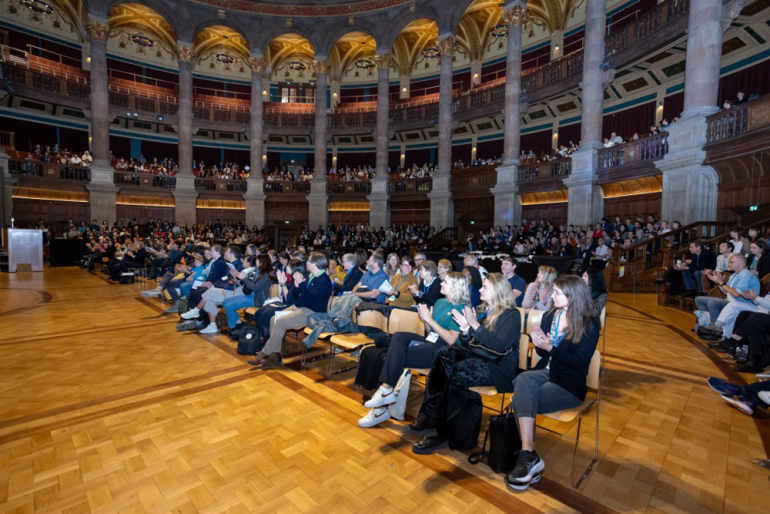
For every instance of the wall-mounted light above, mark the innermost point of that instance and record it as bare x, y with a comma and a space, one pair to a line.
334, 95
475, 75
556, 48
403, 90
264, 92
88, 59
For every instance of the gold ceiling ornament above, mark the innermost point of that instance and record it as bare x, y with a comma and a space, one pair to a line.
184, 53
351, 20
445, 46
39, 10
383, 61
258, 65
321, 67
289, 22
518, 16
96, 30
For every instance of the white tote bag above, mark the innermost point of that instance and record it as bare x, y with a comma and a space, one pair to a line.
398, 409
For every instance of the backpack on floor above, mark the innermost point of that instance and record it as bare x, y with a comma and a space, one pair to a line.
250, 340
463, 420
182, 306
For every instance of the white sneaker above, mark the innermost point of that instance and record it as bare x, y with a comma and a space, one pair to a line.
191, 314
765, 374
374, 418
210, 329
151, 293
764, 396
381, 398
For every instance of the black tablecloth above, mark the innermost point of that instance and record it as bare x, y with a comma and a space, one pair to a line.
66, 252
562, 264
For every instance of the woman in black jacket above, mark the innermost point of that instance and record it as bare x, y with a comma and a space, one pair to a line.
428, 291
565, 341
759, 258
496, 326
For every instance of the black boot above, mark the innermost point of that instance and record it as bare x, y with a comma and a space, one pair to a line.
754, 365
422, 425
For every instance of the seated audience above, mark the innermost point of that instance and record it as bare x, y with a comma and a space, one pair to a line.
428, 291
594, 279
407, 350
256, 289
565, 342
495, 326
518, 285
368, 288
400, 295
353, 275
538, 295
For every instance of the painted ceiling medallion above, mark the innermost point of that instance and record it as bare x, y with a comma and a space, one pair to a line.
364, 64
297, 66
499, 31
311, 8
38, 6
225, 58
141, 40
431, 52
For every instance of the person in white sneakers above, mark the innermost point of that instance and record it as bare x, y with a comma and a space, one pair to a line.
408, 350
221, 285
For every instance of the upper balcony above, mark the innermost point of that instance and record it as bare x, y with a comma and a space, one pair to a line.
217, 110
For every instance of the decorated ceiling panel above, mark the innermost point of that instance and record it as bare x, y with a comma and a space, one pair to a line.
221, 49
290, 56
352, 57
62, 18
137, 29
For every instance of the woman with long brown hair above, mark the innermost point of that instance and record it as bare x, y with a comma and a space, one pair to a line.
495, 326
565, 342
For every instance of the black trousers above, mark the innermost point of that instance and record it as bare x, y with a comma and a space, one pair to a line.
401, 356
453, 365
754, 329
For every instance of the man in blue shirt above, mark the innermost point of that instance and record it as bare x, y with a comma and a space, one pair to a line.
723, 312
518, 285
368, 288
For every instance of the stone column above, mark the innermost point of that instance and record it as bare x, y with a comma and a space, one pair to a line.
101, 189
7, 183
689, 188
507, 201
255, 195
586, 203
185, 195
317, 208
441, 207
379, 206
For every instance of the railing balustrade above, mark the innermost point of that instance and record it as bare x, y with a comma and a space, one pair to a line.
33, 168
649, 148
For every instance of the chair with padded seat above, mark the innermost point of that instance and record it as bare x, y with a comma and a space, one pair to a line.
369, 318
593, 381
525, 362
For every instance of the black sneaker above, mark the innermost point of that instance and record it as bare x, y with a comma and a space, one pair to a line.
427, 445
528, 465
516, 486
421, 426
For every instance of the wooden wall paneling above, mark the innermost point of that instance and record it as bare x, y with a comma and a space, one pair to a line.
474, 214
556, 212
633, 206
143, 213
27, 212
278, 212
353, 217
414, 211
223, 215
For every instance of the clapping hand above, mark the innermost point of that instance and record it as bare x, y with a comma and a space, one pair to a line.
749, 294
281, 276
298, 278
540, 339
460, 320
470, 318
413, 288
425, 312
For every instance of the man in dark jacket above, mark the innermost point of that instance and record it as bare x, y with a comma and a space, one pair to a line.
310, 295
702, 259
353, 276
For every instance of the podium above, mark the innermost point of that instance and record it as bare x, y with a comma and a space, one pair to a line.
25, 246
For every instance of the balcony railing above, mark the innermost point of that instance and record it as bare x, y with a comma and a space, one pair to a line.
32, 168
353, 187
650, 148
272, 186
410, 185
220, 185
738, 120
646, 25
483, 177
124, 178
557, 168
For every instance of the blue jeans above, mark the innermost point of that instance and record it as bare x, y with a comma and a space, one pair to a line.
234, 304
711, 305
687, 276
172, 285
185, 289
533, 394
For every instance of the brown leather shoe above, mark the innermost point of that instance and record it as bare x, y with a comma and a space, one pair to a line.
273, 359
258, 359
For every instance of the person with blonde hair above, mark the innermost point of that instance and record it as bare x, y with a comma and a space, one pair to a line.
493, 328
538, 295
565, 341
392, 265
409, 350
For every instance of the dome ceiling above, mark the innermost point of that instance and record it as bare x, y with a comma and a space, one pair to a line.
304, 7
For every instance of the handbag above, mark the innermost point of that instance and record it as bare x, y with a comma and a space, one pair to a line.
479, 350
504, 442
398, 409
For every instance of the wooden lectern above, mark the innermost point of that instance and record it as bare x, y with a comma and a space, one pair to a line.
25, 246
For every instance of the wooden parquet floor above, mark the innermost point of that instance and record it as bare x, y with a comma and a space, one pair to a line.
105, 408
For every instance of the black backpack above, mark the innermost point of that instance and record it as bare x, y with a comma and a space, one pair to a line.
250, 341
463, 420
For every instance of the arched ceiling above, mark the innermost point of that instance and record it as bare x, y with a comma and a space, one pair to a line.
287, 48
220, 39
126, 19
416, 37
348, 49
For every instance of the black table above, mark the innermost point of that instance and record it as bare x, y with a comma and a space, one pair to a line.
561, 264
66, 252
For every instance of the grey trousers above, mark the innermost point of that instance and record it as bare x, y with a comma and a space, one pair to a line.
297, 318
533, 394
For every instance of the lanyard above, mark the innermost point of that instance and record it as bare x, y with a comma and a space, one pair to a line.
401, 282
448, 307
425, 286
482, 316
557, 339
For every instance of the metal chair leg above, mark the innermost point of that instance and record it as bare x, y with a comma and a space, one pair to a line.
574, 454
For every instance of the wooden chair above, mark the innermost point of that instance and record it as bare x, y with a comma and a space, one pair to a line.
525, 362
353, 341
534, 318
593, 381
523, 315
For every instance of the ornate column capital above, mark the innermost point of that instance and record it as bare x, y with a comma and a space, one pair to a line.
383, 61
96, 30
731, 10
515, 16
258, 65
445, 46
184, 53
321, 67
